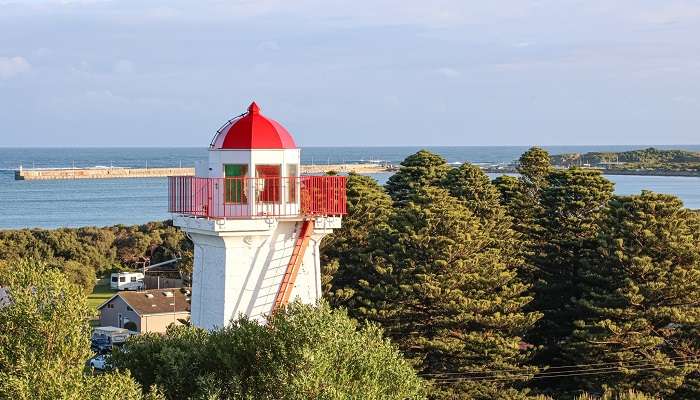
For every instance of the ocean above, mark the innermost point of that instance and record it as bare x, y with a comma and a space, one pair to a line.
73, 203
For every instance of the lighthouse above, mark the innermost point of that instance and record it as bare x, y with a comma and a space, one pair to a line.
255, 221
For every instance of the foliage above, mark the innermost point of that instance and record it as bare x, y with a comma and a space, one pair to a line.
524, 200
448, 297
417, 172
83, 253
44, 339
625, 395
573, 204
304, 352
479, 195
534, 167
508, 186
640, 297
471, 185
649, 158
344, 251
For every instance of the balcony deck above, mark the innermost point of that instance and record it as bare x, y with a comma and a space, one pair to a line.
251, 198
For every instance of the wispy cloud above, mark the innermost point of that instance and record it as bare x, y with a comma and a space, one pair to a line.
448, 72
13, 66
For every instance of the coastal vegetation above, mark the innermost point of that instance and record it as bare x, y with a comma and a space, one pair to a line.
441, 284
646, 159
303, 352
45, 340
544, 285
85, 253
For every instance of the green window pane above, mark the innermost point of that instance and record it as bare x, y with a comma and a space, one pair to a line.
234, 184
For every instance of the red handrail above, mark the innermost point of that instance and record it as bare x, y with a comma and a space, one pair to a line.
241, 197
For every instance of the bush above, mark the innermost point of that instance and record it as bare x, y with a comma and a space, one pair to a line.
304, 352
44, 340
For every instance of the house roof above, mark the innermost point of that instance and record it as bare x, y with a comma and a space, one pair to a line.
155, 301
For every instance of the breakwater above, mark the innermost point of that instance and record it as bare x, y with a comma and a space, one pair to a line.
114, 173
98, 173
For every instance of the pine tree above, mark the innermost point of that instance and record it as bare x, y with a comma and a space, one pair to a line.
345, 252
573, 203
522, 197
534, 167
417, 171
472, 186
640, 297
508, 186
526, 205
449, 298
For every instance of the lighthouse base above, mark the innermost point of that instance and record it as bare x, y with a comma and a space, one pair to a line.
239, 266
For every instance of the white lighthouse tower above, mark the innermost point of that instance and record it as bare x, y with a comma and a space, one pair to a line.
256, 223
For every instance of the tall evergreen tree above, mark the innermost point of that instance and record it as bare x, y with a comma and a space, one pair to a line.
534, 167
449, 298
345, 252
508, 186
526, 206
473, 187
573, 203
417, 171
641, 298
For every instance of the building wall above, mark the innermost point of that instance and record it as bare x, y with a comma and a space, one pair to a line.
159, 323
110, 316
238, 269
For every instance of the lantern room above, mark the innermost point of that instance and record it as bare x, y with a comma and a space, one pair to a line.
254, 170
253, 146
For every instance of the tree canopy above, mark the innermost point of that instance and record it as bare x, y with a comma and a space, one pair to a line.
44, 340
303, 352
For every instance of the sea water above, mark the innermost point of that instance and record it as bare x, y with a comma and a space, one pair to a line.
102, 202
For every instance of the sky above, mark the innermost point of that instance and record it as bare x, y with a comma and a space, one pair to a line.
351, 72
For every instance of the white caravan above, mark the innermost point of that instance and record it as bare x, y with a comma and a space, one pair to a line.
127, 281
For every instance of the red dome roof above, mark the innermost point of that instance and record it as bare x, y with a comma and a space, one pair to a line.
252, 130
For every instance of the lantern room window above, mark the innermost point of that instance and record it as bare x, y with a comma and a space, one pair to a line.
234, 184
292, 173
267, 183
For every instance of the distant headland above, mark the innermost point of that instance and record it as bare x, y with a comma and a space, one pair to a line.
649, 162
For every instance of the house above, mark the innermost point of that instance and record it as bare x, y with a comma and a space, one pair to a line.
146, 310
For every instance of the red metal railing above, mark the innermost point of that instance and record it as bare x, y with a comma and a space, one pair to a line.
241, 197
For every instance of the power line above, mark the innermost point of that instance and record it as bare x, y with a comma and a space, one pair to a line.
571, 373
561, 367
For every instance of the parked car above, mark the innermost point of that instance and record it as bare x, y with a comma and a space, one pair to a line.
98, 362
100, 345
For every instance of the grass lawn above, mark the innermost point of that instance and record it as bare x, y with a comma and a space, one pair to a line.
99, 295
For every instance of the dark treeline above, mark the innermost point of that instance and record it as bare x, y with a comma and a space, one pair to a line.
543, 284
84, 253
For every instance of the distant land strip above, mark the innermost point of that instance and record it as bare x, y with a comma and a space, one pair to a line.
368, 168
115, 173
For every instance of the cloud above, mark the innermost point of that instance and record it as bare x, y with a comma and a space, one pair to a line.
448, 72
124, 67
13, 66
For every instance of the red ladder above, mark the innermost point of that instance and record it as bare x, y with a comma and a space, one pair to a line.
290, 276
